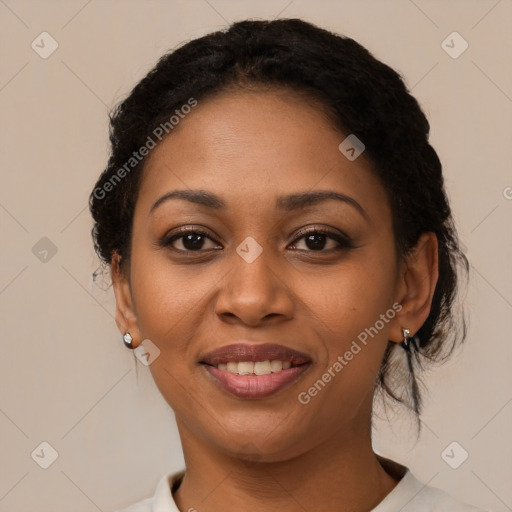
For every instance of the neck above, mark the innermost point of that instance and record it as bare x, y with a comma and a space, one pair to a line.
342, 470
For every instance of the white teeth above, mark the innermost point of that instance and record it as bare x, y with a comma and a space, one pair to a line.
255, 368
262, 368
245, 367
232, 367
276, 365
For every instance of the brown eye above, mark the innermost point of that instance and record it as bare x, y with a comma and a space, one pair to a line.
317, 240
191, 240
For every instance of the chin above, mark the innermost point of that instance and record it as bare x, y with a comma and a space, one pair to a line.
253, 447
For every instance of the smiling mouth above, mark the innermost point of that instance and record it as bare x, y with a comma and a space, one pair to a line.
255, 379
254, 371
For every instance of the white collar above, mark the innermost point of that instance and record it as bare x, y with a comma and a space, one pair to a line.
163, 500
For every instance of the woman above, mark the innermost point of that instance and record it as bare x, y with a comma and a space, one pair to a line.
279, 237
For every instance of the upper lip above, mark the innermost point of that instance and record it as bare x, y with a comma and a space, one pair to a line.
254, 352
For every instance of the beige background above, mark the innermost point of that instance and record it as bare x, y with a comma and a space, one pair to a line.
66, 377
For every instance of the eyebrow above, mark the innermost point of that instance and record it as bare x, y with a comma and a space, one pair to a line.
286, 203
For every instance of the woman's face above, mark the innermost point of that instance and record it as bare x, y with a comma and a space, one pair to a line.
259, 276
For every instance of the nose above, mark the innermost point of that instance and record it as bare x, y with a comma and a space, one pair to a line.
255, 293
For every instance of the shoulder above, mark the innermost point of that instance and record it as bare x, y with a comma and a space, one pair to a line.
141, 506
410, 495
162, 498
432, 499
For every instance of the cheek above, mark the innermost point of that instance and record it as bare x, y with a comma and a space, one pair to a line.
353, 310
350, 297
171, 304
355, 339
166, 295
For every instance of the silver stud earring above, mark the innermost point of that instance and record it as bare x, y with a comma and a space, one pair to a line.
127, 338
405, 334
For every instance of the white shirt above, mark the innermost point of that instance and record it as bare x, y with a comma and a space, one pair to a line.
409, 495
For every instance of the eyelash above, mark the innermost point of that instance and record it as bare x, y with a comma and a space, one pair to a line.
343, 241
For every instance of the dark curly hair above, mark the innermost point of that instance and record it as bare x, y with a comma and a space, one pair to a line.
361, 95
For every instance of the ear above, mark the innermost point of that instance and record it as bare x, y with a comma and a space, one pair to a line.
126, 318
415, 287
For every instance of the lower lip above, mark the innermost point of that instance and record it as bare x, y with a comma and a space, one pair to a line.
255, 386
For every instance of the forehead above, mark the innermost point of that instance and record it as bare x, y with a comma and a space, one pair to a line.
250, 146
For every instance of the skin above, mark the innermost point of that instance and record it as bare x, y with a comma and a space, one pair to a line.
249, 147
